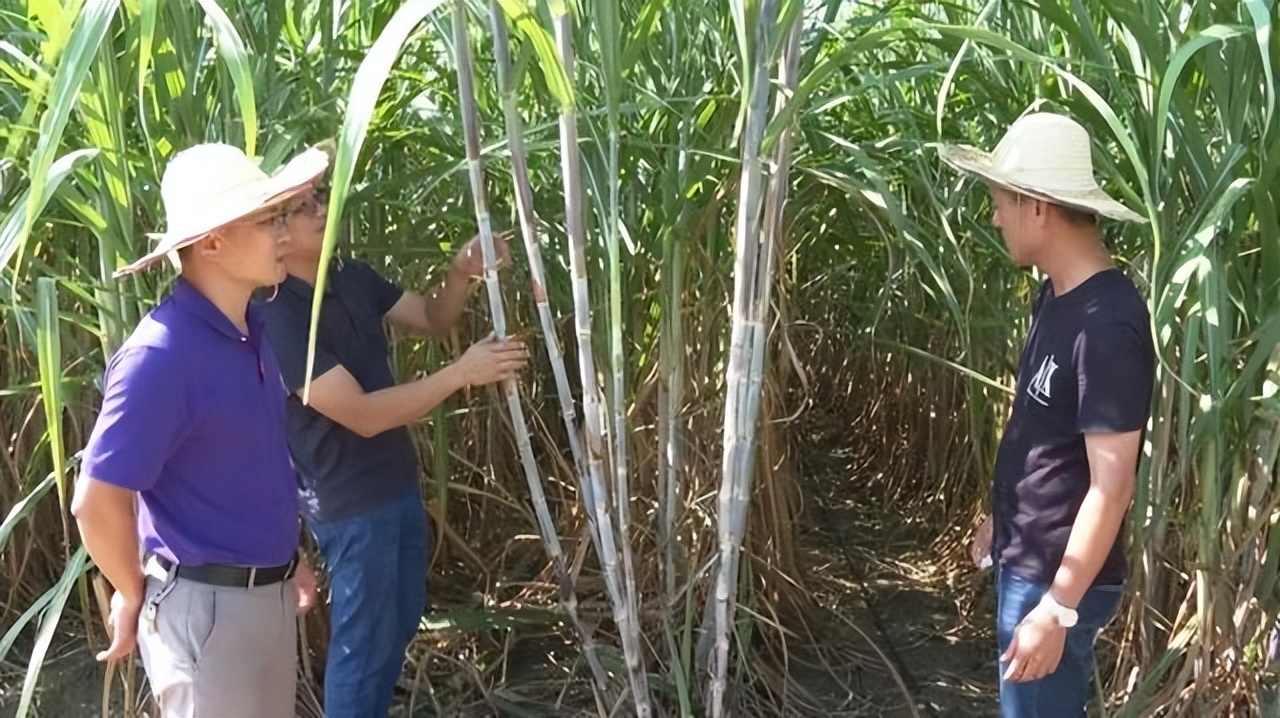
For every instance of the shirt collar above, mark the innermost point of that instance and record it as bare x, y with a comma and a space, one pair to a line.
300, 289
190, 300
306, 291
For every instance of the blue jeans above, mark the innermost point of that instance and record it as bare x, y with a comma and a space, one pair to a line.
1065, 692
377, 566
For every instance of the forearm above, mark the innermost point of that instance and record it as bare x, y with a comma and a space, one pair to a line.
110, 535
403, 404
1097, 525
444, 305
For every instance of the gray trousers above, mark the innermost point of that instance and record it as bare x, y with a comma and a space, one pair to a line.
215, 652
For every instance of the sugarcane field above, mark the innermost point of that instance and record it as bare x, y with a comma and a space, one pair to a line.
662, 358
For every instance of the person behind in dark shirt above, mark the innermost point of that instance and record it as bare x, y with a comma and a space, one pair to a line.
186, 500
356, 463
1065, 470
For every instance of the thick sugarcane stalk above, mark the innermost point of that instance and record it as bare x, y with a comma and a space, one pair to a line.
748, 341
529, 226
626, 618
510, 389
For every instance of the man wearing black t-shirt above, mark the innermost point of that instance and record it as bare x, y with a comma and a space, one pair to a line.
356, 463
1065, 471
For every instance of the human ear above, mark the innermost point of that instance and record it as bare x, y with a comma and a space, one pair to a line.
211, 245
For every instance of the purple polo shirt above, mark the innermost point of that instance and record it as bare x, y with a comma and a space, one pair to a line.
193, 419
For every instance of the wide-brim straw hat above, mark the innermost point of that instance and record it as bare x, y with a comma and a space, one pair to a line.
1044, 155
209, 186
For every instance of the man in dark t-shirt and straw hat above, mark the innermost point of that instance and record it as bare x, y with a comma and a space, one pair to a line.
1065, 471
192, 432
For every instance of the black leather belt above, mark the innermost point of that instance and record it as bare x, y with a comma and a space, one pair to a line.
231, 576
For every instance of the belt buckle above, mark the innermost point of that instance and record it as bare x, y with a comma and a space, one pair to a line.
253, 575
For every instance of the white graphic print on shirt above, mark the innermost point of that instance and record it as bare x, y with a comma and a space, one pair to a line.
1039, 387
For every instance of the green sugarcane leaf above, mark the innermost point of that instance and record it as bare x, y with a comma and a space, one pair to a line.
522, 18
11, 231
90, 29
49, 353
1261, 13
20, 511
49, 621
1182, 56
361, 103
231, 49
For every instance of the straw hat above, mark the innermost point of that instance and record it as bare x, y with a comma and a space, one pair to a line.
1046, 156
212, 185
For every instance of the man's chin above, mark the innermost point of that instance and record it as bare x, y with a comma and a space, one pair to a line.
298, 259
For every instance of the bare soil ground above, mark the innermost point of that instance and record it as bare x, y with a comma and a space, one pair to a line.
921, 626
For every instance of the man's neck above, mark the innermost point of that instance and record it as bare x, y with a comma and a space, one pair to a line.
227, 295
304, 268
1074, 256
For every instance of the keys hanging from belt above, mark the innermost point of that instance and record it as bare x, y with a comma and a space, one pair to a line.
153, 604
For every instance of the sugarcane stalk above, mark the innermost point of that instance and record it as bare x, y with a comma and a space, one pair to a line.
670, 402
609, 38
748, 341
533, 252
625, 617
510, 389
529, 233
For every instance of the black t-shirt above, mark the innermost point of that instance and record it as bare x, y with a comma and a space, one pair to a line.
341, 474
1088, 367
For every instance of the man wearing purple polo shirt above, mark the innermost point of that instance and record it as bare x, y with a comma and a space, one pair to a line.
187, 500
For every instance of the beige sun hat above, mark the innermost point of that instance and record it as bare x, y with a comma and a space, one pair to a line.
1046, 156
212, 185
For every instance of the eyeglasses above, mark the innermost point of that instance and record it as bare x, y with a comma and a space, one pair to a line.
307, 208
312, 206
276, 220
